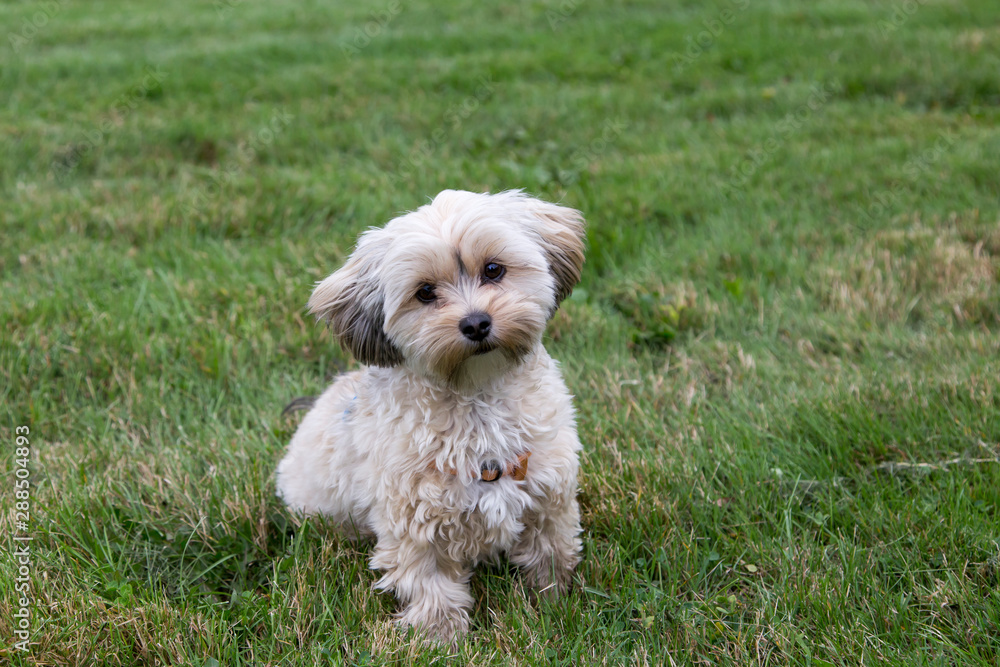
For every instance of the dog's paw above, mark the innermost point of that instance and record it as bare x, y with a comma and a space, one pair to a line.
547, 580
444, 627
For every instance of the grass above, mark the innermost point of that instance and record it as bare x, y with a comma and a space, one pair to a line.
784, 350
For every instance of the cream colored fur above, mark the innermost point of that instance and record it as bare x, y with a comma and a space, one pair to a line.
375, 450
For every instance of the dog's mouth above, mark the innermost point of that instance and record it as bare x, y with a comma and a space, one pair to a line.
484, 348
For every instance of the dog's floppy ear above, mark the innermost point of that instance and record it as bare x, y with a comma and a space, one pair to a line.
351, 302
560, 231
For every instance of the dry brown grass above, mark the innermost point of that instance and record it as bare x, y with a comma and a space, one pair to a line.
918, 273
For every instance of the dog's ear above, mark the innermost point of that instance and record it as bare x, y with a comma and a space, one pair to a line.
561, 234
352, 303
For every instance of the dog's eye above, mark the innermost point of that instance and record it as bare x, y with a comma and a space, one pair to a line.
494, 271
426, 293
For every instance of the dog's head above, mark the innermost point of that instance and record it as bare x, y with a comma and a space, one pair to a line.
458, 290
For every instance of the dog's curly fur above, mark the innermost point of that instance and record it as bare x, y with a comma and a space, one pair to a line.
396, 449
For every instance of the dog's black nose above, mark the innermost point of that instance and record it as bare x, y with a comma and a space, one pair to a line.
476, 326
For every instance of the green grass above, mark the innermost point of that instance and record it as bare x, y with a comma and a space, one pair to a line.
785, 349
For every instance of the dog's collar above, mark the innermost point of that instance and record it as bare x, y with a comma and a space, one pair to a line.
492, 470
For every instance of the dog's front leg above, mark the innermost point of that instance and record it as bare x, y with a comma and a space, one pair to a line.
549, 546
433, 588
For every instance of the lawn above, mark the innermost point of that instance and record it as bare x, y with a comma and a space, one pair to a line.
785, 349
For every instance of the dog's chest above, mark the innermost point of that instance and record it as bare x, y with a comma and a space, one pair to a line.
444, 444
468, 433
485, 513
493, 514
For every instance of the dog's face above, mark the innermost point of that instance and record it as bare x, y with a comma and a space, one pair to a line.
459, 290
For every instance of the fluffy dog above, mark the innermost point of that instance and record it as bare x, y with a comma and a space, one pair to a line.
427, 446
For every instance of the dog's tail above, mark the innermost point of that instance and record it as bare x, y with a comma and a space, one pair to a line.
300, 403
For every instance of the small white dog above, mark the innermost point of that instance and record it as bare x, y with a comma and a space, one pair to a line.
427, 446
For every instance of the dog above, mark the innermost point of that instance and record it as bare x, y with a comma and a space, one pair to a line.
456, 441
